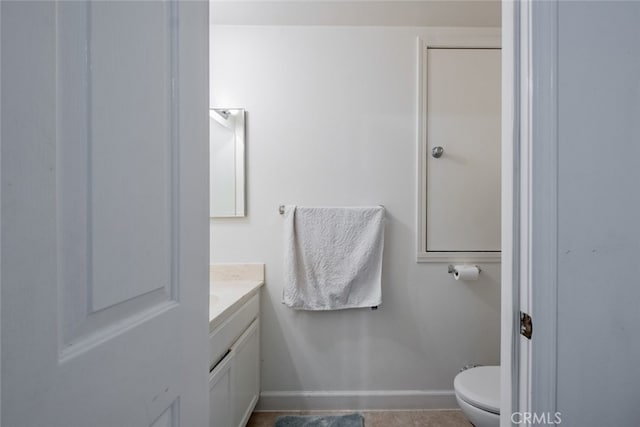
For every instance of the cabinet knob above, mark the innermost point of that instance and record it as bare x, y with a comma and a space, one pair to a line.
437, 152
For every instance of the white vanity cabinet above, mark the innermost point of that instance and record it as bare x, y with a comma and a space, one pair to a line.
234, 379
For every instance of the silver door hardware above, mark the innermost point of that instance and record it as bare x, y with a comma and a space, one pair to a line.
526, 325
437, 152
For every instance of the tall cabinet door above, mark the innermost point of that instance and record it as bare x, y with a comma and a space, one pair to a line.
104, 213
463, 120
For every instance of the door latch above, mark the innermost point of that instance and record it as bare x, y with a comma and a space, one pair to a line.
526, 325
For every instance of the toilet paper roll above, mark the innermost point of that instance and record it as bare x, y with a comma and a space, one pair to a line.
466, 272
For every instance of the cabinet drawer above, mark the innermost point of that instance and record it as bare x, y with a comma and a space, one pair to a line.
221, 339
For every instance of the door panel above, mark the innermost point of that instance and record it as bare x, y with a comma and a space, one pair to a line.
104, 213
133, 69
116, 229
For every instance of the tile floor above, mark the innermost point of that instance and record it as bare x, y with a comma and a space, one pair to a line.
448, 418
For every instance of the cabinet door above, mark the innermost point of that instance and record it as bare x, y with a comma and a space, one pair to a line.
463, 117
220, 402
246, 374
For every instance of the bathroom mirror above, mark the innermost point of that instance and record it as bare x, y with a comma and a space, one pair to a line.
226, 162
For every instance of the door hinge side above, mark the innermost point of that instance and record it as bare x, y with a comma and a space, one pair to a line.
526, 325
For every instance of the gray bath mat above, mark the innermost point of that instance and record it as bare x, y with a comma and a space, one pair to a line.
351, 420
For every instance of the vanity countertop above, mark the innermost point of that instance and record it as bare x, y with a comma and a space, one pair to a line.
231, 286
225, 297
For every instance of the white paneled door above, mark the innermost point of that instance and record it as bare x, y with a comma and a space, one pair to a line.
104, 213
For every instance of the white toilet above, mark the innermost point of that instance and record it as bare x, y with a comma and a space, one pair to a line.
478, 395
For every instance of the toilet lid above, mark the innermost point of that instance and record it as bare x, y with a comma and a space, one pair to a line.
480, 387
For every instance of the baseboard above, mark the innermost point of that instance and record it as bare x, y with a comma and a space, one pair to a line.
357, 400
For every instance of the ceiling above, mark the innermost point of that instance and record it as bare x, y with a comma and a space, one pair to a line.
432, 13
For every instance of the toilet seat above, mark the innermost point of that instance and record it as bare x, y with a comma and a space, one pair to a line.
480, 387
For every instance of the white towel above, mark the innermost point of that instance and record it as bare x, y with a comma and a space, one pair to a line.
333, 257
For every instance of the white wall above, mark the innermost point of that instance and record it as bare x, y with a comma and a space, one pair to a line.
599, 208
332, 121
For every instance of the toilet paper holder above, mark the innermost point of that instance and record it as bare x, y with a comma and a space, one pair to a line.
452, 269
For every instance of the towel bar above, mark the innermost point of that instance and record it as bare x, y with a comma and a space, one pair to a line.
281, 209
